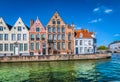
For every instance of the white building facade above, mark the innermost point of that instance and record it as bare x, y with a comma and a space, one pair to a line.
18, 38
84, 42
115, 46
4, 37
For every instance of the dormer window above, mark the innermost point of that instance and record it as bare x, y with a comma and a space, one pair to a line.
81, 35
53, 22
19, 23
4, 27
19, 28
58, 21
1, 28
37, 29
1, 22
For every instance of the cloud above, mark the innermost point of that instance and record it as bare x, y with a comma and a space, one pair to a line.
77, 27
102, 9
95, 20
96, 9
108, 10
116, 35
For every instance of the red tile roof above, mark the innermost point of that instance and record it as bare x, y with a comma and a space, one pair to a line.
84, 32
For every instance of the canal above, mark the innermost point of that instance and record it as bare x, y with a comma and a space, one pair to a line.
62, 71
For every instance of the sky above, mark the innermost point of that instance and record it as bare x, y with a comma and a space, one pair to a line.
100, 16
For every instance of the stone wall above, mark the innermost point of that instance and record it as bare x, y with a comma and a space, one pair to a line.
52, 57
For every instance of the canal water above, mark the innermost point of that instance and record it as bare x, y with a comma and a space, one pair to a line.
63, 71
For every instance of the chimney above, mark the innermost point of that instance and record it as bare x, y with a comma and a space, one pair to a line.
31, 22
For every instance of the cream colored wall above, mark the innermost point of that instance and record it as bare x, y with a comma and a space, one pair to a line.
5, 31
24, 31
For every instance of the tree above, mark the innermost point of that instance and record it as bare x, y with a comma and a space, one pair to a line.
102, 48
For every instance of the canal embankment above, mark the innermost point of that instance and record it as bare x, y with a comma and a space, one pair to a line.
52, 57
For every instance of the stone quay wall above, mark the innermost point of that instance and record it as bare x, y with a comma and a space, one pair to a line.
52, 57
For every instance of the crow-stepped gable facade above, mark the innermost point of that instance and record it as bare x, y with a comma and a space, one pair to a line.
59, 36
37, 41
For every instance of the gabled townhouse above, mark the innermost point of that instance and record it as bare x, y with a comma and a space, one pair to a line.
19, 38
84, 42
60, 36
4, 37
37, 38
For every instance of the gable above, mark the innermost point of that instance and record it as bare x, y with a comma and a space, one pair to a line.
37, 24
19, 23
4, 25
56, 18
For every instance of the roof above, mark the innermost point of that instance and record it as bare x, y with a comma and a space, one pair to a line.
9, 26
114, 42
84, 33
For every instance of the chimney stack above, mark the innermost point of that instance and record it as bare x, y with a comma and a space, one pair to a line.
31, 22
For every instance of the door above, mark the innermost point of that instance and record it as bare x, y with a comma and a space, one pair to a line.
16, 49
76, 49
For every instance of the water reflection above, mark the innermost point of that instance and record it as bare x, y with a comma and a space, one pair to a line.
61, 71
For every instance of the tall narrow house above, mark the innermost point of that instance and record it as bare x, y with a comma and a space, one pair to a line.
19, 41
4, 37
60, 36
37, 39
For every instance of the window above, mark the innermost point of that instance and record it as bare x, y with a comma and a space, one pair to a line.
49, 37
4, 28
58, 29
21, 47
37, 37
54, 29
25, 37
80, 42
54, 46
89, 42
0, 22
58, 21
37, 45
32, 37
58, 45
6, 37
81, 35
43, 36
1, 36
69, 45
25, 47
76, 42
63, 45
32, 46
13, 37
49, 29
63, 29
1, 47
1, 28
6, 47
19, 28
54, 36
37, 29
44, 45
69, 36
18, 36
81, 49
63, 36
58, 36
11, 47
85, 49
53, 22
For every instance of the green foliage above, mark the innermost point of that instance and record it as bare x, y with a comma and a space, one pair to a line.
102, 48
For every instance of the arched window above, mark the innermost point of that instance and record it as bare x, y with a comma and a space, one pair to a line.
58, 21
53, 21
49, 29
